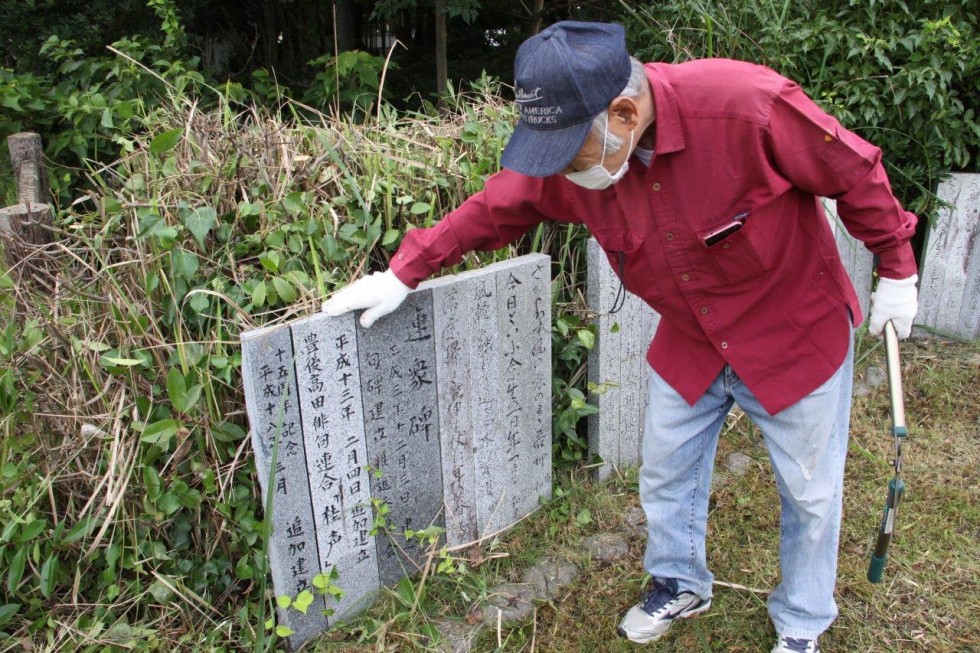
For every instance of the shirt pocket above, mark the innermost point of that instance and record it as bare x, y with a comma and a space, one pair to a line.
627, 256
741, 255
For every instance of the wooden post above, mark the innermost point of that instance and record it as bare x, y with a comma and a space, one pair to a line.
25, 227
27, 159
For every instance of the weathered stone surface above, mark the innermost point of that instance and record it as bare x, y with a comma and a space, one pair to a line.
949, 289
719, 480
454, 370
488, 472
874, 376
737, 463
511, 398
634, 522
456, 635
442, 410
549, 576
861, 389
619, 360
332, 416
507, 603
635, 325
603, 362
857, 260
524, 311
401, 420
606, 547
269, 377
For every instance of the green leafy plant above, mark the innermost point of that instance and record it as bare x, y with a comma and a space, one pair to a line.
571, 341
348, 83
900, 74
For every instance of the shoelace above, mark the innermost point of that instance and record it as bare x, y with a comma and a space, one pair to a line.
657, 598
799, 645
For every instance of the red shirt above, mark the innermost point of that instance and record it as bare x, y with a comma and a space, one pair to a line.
735, 142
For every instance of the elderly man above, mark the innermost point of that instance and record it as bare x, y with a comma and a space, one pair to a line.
701, 182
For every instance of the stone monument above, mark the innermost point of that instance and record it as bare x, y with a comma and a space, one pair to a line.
441, 412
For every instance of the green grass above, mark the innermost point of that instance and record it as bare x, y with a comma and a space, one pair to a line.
929, 599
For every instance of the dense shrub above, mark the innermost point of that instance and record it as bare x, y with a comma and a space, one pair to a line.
127, 476
901, 74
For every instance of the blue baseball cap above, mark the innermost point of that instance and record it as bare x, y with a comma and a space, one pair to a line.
565, 76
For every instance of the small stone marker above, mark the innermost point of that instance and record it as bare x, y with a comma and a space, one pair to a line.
634, 522
508, 603
949, 290
456, 635
549, 576
875, 375
737, 463
606, 547
442, 411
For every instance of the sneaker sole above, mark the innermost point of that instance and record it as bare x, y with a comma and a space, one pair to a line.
641, 638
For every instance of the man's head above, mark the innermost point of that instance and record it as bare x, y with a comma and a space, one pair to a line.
572, 79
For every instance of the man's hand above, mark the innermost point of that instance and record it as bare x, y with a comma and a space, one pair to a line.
896, 300
380, 293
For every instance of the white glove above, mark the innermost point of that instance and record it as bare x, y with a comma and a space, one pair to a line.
896, 300
380, 293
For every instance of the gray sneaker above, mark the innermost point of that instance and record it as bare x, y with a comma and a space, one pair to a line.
649, 619
795, 645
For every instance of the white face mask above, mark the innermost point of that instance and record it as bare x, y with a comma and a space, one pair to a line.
597, 177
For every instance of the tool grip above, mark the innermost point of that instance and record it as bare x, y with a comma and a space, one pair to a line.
877, 568
896, 488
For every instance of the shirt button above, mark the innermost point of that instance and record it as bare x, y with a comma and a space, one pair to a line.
685, 277
704, 310
724, 345
669, 236
656, 185
726, 245
401, 256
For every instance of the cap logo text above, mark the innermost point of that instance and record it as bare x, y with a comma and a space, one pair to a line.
527, 96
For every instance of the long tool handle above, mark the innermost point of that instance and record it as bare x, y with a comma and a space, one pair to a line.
895, 382
896, 487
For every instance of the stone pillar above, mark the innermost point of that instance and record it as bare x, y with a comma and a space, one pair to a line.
949, 288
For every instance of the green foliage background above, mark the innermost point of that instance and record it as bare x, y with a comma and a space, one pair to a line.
901, 74
191, 208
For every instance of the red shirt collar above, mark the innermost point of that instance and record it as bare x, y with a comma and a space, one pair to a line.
669, 135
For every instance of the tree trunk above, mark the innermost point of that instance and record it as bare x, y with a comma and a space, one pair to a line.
269, 34
441, 65
536, 16
344, 25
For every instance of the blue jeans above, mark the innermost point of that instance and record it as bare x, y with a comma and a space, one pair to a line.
807, 445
